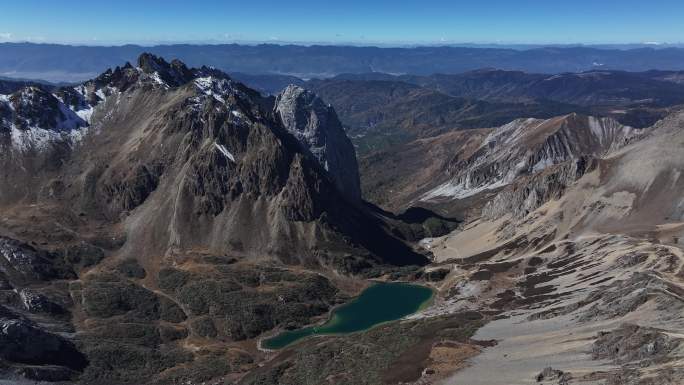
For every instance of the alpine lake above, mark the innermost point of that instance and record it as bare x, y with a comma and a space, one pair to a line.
379, 303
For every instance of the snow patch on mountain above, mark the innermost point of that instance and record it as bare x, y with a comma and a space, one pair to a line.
460, 190
218, 88
223, 150
157, 79
37, 138
86, 114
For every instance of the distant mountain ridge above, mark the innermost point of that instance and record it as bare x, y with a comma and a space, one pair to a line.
381, 113
589, 88
55, 62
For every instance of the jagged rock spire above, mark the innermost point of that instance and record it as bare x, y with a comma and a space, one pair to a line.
319, 131
174, 74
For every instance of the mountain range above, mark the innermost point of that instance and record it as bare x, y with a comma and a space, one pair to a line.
54, 62
160, 220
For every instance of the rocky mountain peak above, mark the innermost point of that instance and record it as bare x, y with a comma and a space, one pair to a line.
175, 73
151, 69
150, 63
216, 143
34, 116
317, 128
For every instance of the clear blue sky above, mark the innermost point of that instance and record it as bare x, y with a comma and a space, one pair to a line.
357, 21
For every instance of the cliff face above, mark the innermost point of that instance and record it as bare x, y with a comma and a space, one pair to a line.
320, 133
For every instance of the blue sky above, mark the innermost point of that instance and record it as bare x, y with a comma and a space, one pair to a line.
343, 21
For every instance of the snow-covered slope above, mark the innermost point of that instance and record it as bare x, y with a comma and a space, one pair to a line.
33, 118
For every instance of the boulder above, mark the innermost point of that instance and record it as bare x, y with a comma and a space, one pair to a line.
23, 342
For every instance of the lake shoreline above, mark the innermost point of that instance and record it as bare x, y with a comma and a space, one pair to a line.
367, 295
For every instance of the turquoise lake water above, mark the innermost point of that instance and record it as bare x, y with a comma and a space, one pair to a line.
379, 303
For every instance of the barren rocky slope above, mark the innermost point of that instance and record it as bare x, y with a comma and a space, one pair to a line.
587, 281
459, 165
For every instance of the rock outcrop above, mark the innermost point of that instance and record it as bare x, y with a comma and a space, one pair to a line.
23, 342
527, 193
32, 118
317, 128
634, 344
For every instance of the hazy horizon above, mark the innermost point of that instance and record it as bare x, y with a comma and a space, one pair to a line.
530, 22
378, 44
